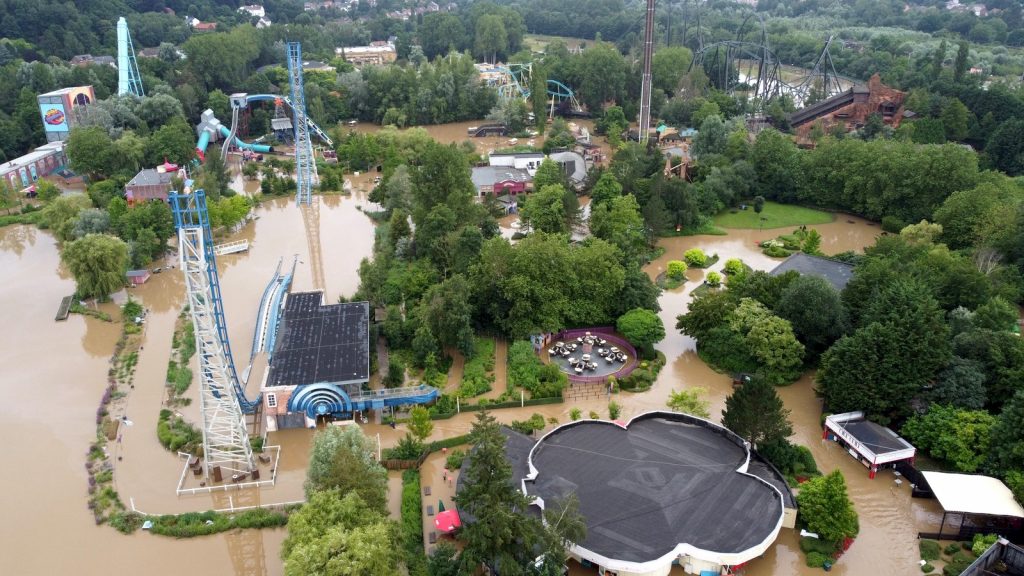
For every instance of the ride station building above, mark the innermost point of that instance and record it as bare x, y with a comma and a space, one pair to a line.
320, 368
874, 445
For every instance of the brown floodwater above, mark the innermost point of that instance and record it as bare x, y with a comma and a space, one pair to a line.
49, 505
455, 133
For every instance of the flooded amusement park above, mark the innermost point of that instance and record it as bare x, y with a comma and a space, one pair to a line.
55, 373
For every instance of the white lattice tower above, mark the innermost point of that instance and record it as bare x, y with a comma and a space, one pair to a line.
225, 438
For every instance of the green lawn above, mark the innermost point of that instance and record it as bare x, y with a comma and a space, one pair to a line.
775, 216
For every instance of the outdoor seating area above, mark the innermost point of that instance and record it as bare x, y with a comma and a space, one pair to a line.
589, 355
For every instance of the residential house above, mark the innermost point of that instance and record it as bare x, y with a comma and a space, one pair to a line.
254, 10
149, 184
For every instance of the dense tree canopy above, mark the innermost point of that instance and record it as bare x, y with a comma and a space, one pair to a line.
98, 262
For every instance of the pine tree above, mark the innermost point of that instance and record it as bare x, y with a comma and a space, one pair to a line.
1007, 437
960, 66
756, 413
500, 532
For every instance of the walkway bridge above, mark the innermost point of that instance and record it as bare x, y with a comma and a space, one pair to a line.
322, 399
231, 247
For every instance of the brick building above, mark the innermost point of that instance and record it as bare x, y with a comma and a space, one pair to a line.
149, 184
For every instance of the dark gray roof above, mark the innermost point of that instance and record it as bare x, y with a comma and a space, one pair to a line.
878, 438
765, 471
490, 175
151, 176
578, 170
318, 343
838, 274
667, 479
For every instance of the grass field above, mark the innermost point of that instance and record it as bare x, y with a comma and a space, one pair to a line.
775, 216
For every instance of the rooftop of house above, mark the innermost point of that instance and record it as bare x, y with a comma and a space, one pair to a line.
578, 172
837, 273
491, 175
320, 343
151, 177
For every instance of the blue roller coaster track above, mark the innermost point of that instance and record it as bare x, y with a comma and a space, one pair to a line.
190, 212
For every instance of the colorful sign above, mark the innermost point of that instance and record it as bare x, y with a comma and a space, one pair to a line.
54, 118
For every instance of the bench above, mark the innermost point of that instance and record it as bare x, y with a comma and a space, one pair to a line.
426, 490
430, 509
433, 537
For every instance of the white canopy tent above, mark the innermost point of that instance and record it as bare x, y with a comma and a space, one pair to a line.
972, 494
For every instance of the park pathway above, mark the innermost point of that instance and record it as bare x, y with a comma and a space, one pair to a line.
455, 371
500, 384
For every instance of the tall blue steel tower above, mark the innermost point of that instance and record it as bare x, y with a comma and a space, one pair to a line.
305, 166
129, 81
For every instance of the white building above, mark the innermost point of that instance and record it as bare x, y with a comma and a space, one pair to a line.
254, 10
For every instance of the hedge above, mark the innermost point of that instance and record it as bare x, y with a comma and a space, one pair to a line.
498, 406
205, 523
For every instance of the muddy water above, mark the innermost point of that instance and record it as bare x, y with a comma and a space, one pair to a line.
51, 385
52, 442
455, 133
71, 387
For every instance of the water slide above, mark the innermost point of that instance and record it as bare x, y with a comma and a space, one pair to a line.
210, 125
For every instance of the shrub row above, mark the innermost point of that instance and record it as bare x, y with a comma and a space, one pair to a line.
444, 400
193, 524
411, 522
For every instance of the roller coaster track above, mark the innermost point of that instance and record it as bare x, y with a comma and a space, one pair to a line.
311, 219
222, 400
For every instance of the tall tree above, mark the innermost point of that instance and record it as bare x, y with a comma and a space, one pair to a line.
564, 526
756, 413
816, 312
339, 535
1007, 437
620, 223
960, 66
491, 37
545, 212
501, 532
956, 436
606, 189
98, 262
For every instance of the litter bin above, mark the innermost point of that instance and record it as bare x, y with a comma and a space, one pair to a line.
827, 566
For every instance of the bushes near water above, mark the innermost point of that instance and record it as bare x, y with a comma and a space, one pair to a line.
929, 549
193, 524
526, 370
176, 434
